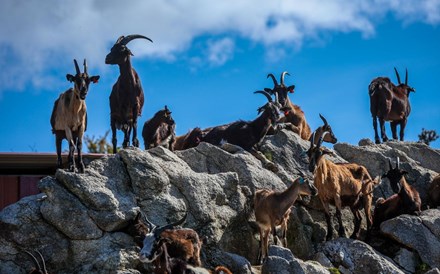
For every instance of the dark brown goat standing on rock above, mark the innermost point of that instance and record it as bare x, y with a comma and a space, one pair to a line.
272, 209
406, 199
389, 102
160, 130
127, 97
294, 118
69, 116
248, 134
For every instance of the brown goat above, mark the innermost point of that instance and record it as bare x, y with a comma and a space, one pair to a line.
434, 192
181, 243
248, 134
127, 97
272, 209
341, 185
406, 199
69, 116
189, 140
160, 130
389, 102
294, 116
329, 137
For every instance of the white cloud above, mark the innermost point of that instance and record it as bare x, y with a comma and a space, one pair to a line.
37, 37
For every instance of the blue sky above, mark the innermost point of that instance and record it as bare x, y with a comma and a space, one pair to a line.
208, 58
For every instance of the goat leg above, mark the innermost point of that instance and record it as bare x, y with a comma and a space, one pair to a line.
81, 166
382, 129
135, 140
376, 135
394, 129
357, 223
402, 129
58, 142
71, 159
328, 219
341, 229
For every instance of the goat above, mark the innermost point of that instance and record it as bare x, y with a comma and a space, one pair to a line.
330, 137
406, 199
189, 140
37, 269
434, 192
248, 134
127, 96
69, 116
341, 185
160, 130
181, 243
272, 209
389, 102
294, 117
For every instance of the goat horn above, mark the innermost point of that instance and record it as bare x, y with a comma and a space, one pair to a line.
323, 119
85, 66
35, 259
76, 66
398, 163
42, 261
321, 139
269, 98
150, 225
128, 38
159, 230
282, 77
406, 77
398, 76
312, 140
275, 83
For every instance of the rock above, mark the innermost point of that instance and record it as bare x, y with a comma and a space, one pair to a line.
277, 265
234, 262
65, 212
278, 251
420, 233
433, 271
357, 257
407, 260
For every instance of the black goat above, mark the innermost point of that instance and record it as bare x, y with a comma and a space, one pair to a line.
127, 97
160, 130
389, 102
248, 134
406, 199
69, 116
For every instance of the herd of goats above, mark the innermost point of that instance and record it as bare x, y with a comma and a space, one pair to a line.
177, 250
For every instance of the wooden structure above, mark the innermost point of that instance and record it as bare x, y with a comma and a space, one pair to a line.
20, 173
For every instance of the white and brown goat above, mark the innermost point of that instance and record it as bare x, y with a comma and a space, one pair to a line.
69, 116
389, 102
341, 185
272, 209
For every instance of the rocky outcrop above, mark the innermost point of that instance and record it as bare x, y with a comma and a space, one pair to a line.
78, 220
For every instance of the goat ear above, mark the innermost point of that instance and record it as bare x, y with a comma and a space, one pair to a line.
291, 88
94, 79
70, 77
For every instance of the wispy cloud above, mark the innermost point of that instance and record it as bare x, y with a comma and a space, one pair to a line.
36, 37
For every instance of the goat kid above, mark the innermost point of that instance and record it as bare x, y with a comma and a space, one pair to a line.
406, 199
160, 130
294, 117
69, 116
248, 134
127, 96
272, 209
389, 102
341, 185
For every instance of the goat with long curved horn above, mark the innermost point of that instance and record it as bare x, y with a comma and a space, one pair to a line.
85, 66
76, 67
125, 40
282, 77
265, 93
275, 83
398, 76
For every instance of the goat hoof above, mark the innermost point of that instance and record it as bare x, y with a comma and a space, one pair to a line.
377, 141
